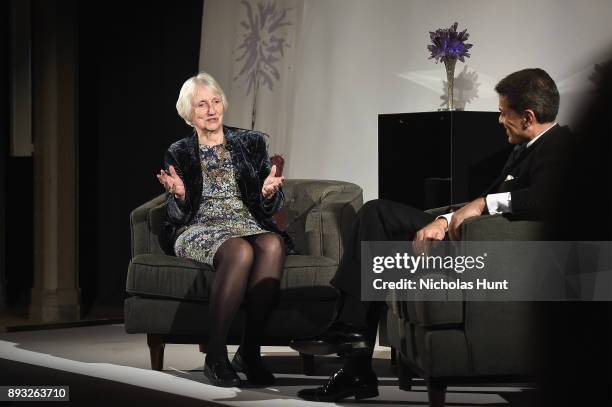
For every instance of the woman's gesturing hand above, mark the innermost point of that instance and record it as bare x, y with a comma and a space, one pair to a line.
172, 183
271, 184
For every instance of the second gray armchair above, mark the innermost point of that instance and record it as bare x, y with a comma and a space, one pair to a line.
448, 342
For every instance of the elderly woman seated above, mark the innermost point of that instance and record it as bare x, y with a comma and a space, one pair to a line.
222, 192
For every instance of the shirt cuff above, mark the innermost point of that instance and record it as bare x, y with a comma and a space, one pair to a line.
499, 203
448, 217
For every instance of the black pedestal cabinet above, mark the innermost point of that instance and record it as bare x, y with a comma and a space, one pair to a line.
433, 159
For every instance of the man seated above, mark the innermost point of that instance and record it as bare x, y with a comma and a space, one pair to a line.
528, 187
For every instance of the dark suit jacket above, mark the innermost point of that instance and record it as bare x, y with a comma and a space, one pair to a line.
251, 167
539, 176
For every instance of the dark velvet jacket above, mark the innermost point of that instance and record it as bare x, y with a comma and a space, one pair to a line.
251, 167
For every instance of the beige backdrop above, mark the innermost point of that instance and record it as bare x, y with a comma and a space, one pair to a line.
350, 60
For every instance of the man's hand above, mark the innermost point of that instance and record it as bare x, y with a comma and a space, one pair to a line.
435, 231
271, 184
474, 208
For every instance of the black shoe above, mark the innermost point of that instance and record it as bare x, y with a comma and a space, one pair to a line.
342, 385
220, 373
254, 369
337, 338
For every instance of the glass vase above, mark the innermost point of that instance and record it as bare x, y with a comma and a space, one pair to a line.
450, 83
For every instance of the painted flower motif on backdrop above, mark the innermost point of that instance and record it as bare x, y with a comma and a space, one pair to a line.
262, 44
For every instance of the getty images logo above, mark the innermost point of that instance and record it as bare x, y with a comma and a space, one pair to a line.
404, 261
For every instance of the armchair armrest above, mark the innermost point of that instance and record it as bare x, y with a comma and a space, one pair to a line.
143, 220
501, 227
328, 223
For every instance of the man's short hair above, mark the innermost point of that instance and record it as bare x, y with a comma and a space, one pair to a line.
531, 89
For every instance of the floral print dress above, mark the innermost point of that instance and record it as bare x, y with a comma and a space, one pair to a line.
221, 215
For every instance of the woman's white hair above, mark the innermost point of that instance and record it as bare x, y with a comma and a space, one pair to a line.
184, 105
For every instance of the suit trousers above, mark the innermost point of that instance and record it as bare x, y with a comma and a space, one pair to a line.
377, 220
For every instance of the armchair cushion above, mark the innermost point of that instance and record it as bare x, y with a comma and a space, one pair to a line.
160, 275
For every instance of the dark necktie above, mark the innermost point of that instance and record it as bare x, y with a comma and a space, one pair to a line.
514, 155
512, 158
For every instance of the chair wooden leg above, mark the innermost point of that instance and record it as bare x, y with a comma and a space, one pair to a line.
156, 349
404, 376
203, 348
437, 393
393, 365
307, 364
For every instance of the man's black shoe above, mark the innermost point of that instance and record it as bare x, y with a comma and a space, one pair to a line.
254, 369
337, 338
220, 373
342, 385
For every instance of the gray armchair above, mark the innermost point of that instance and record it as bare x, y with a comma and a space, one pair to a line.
168, 295
465, 341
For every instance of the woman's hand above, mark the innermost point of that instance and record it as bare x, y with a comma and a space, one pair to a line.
271, 184
172, 183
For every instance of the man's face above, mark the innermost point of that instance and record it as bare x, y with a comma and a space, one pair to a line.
513, 122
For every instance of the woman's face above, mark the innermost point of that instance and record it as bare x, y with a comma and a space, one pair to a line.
207, 109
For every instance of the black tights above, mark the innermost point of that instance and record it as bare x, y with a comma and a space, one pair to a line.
251, 265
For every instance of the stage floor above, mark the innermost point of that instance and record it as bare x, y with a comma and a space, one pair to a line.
103, 365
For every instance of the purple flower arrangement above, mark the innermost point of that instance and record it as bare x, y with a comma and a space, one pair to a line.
448, 44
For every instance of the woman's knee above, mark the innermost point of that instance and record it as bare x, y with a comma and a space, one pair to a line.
269, 244
237, 251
